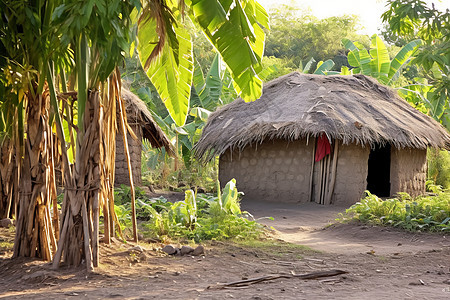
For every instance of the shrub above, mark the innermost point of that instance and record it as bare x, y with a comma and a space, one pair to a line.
424, 213
439, 167
204, 217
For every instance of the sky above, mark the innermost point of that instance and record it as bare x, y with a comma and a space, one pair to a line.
369, 11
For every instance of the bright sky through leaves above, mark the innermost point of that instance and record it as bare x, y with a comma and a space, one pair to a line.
369, 11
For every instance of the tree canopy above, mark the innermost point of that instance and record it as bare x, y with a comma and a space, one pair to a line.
297, 35
413, 18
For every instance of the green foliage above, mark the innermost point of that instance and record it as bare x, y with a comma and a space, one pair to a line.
171, 72
162, 171
324, 67
296, 35
122, 200
204, 217
424, 213
439, 167
413, 18
376, 61
234, 28
282, 66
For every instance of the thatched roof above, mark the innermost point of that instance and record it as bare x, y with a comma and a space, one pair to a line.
354, 109
137, 112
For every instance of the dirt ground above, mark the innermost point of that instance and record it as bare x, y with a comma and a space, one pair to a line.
382, 263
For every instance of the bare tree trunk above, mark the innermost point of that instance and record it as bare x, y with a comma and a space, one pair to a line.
8, 174
34, 231
90, 186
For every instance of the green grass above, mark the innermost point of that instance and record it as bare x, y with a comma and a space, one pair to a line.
277, 248
6, 245
424, 213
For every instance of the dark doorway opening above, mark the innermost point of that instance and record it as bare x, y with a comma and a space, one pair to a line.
378, 177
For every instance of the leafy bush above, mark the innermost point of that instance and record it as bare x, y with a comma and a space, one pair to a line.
439, 167
162, 171
122, 201
204, 217
424, 213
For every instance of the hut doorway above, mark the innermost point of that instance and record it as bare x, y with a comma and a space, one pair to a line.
379, 169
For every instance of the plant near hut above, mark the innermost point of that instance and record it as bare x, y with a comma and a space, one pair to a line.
420, 91
439, 167
424, 213
376, 61
204, 217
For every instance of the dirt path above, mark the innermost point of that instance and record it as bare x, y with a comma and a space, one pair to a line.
419, 268
314, 225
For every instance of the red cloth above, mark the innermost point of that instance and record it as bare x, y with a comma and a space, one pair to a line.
323, 147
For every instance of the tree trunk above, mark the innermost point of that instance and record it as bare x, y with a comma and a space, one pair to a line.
8, 182
34, 231
90, 187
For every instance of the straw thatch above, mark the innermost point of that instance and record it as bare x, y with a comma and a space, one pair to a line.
353, 109
138, 114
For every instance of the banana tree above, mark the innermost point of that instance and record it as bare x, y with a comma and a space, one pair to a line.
376, 62
322, 67
415, 18
233, 27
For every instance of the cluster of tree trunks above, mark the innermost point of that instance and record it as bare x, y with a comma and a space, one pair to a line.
71, 234
89, 184
35, 235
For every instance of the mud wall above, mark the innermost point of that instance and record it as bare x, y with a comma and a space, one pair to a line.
408, 171
351, 174
279, 171
135, 148
276, 171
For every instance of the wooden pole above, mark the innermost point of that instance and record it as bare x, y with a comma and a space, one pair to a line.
325, 185
333, 172
318, 183
106, 224
53, 193
65, 226
87, 246
95, 210
130, 172
311, 176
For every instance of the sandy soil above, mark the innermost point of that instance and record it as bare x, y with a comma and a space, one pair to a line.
381, 263
315, 226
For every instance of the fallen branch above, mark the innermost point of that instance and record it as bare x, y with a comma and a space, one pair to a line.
250, 281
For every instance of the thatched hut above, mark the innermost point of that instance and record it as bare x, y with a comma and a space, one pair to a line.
322, 138
144, 127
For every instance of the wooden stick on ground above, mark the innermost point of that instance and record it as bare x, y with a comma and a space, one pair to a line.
247, 282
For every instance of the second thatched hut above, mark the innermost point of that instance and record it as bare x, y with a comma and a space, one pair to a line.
141, 122
322, 138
